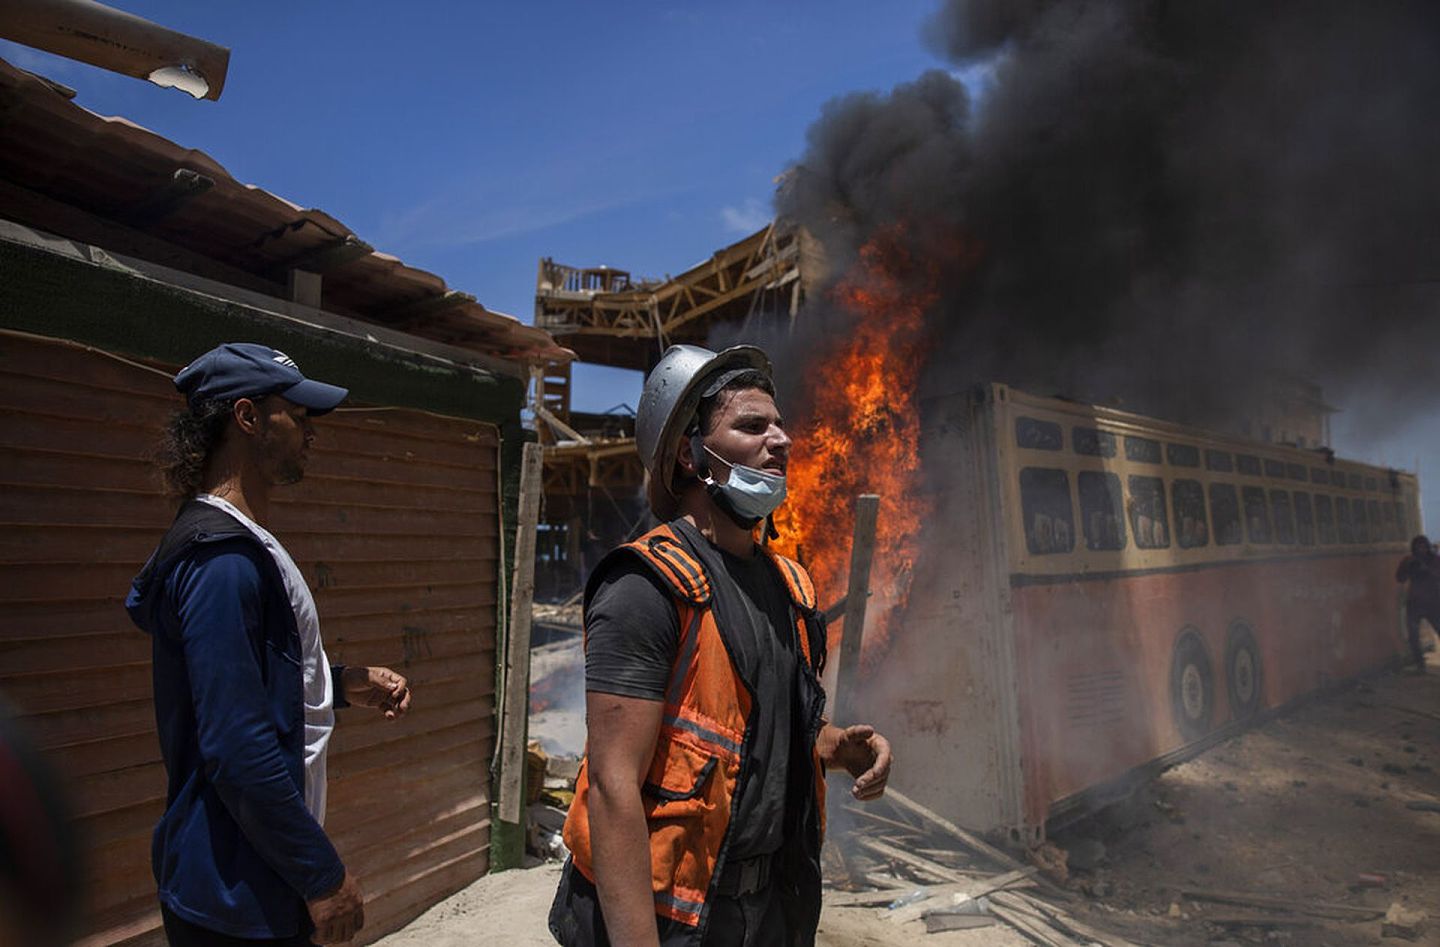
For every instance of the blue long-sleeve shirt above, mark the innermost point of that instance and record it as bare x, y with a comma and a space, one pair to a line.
236, 850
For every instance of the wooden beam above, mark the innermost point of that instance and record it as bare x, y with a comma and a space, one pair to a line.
183, 185
974, 888
403, 317
37, 210
511, 794
862, 551
328, 256
919, 862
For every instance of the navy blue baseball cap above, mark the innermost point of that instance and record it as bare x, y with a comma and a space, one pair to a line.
250, 370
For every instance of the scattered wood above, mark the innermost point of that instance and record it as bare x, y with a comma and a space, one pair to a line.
1033, 925
1423, 805
917, 862
1330, 909
875, 817
971, 890
1060, 918
970, 839
936, 923
882, 896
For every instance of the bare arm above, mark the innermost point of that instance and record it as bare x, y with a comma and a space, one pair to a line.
623, 731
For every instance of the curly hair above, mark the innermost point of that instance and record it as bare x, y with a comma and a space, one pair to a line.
190, 438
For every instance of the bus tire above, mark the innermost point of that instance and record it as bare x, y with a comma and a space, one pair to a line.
1243, 676
1192, 685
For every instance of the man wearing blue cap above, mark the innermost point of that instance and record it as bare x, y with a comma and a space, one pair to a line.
245, 697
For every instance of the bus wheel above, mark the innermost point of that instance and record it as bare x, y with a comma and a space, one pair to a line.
1192, 685
1242, 670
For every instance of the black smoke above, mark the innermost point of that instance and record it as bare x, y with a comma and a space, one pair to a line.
1176, 203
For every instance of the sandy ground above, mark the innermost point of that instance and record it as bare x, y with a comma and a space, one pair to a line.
1299, 808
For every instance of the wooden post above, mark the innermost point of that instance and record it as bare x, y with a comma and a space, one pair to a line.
509, 850
862, 552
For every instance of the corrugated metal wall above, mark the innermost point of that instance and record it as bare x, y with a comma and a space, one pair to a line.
396, 526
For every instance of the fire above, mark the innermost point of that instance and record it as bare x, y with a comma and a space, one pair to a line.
860, 433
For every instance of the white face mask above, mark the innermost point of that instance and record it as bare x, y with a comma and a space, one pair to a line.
753, 494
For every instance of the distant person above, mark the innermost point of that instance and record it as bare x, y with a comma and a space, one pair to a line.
245, 698
1422, 599
699, 806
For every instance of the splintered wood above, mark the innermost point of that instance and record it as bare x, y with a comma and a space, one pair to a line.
911, 864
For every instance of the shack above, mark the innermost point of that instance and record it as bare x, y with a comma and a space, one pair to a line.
122, 256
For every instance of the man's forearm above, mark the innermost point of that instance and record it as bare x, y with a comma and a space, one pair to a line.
620, 844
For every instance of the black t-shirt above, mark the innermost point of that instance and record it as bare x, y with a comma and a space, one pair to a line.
632, 634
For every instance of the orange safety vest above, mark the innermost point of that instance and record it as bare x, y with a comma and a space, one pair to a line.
696, 767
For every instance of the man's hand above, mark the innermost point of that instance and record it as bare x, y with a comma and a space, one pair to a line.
377, 687
861, 752
339, 915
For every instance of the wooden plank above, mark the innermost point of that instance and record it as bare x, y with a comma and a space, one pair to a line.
515, 705
886, 850
974, 888
857, 597
1032, 925
898, 799
1063, 919
1316, 908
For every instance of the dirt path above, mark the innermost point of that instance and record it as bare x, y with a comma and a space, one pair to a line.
1300, 808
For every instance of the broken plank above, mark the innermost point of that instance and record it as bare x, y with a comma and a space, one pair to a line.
886, 850
900, 800
849, 899
1032, 926
935, 923
1315, 908
971, 890
880, 819
1063, 919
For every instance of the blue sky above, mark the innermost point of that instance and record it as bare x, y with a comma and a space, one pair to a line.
471, 139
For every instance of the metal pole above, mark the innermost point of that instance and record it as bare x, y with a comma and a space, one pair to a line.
862, 552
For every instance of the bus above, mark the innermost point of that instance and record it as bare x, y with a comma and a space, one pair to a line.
1107, 594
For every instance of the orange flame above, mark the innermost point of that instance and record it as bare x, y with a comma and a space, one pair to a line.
860, 433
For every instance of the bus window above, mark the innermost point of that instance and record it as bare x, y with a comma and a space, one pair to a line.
1225, 510
1377, 532
1100, 506
1182, 455
1219, 461
1337, 477
1142, 449
1257, 515
1319, 475
1304, 519
1356, 481
1284, 521
1371, 484
1387, 512
1362, 521
1045, 503
1324, 519
1189, 500
1296, 472
1035, 434
1092, 442
1400, 520
1343, 525
1147, 511
1248, 464
1274, 468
